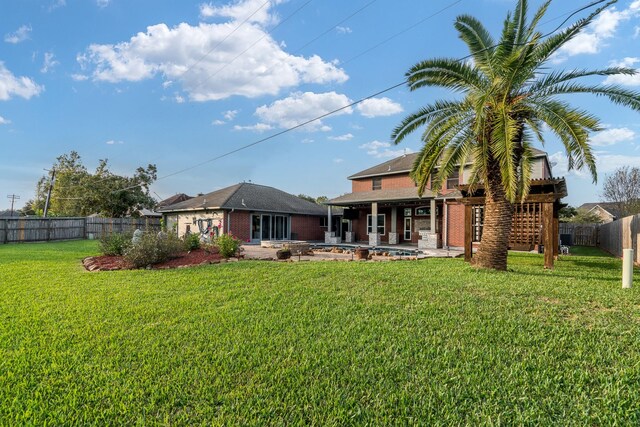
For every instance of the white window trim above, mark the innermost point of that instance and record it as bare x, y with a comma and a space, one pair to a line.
370, 227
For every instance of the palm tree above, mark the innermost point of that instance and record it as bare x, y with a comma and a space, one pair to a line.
508, 95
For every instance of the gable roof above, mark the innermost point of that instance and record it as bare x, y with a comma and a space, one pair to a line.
403, 164
177, 198
249, 197
609, 207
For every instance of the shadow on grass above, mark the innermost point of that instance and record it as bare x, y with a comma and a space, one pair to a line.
589, 251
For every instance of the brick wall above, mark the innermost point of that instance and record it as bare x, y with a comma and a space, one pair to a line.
240, 224
455, 224
388, 182
307, 227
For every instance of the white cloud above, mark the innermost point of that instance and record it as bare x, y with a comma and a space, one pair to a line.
57, 4
255, 11
179, 98
114, 142
49, 62
20, 35
378, 107
605, 163
625, 79
636, 32
343, 30
218, 122
301, 107
258, 127
230, 114
103, 3
307, 141
4, 121
594, 37
208, 67
338, 160
345, 137
79, 77
379, 149
10, 85
612, 136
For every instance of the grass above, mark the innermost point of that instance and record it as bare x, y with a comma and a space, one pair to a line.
327, 343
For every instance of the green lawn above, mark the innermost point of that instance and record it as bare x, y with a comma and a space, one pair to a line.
326, 343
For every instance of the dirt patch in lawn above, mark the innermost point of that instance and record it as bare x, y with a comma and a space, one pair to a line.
185, 259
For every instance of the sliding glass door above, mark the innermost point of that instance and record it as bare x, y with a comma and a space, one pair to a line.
269, 227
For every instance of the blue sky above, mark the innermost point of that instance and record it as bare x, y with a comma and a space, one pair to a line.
179, 83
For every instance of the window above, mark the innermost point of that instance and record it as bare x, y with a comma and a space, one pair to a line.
324, 221
423, 211
407, 211
380, 225
376, 183
453, 180
477, 219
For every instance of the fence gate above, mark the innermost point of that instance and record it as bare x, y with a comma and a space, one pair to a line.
579, 234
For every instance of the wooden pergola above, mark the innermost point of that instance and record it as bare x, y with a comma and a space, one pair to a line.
535, 220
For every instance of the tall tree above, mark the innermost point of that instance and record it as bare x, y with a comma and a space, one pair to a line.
623, 189
77, 192
508, 95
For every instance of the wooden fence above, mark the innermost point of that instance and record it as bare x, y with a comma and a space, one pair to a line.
13, 230
580, 234
621, 234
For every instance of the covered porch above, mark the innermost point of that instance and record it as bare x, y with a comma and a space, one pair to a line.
390, 217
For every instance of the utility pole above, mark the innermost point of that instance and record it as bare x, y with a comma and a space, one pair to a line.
13, 198
46, 203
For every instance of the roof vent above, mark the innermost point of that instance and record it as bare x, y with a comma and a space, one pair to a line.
389, 170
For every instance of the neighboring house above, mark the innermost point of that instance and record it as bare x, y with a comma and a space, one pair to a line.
607, 211
250, 212
177, 198
9, 214
384, 207
148, 213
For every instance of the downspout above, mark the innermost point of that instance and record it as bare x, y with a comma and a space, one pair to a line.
445, 206
229, 220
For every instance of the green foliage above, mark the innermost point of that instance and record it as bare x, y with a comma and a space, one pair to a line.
191, 241
77, 192
430, 342
153, 248
583, 217
566, 213
115, 243
228, 245
508, 94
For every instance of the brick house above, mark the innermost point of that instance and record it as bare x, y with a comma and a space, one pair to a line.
251, 212
384, 207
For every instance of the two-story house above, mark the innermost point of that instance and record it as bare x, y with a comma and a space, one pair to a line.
384, 207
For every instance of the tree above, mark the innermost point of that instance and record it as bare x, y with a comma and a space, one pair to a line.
317, 200
623, 189
77, 192
508, 95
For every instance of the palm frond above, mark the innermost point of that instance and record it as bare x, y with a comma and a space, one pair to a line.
444, 72
479, 41
422, 117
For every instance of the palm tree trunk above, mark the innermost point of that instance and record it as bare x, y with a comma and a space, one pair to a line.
498, 216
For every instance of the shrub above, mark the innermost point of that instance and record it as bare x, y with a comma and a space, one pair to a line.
115, 243
228, 245
191, 241
154, 248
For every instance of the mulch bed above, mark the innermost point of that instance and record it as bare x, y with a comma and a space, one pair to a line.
185, 259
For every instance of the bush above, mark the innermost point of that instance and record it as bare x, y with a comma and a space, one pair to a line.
191, 241
115, 243
228, 245
154, 248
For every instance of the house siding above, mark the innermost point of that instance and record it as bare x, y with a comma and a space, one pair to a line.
455, 224
240, 224
181, 221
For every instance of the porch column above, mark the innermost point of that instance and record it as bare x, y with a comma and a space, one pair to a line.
433, 215
547, 228
429, 238
330, 236
374, 236
468, 237
393, 234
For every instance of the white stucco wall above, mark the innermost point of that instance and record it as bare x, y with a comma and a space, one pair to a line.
184, 219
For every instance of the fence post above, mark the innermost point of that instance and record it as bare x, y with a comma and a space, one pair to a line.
627, 268
6, 232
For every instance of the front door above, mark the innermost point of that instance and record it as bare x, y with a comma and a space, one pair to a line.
407, 229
